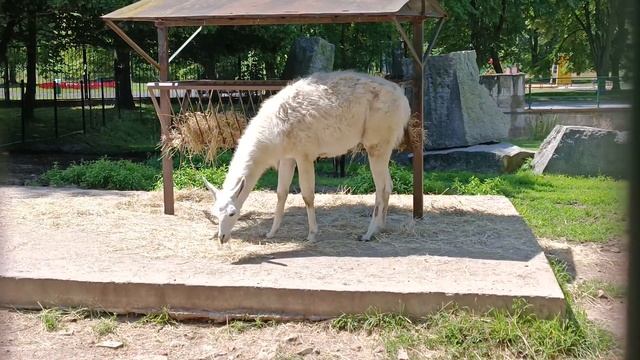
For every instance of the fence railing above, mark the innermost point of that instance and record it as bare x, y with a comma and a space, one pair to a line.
566, 91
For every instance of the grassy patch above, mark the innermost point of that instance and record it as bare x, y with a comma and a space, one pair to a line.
597, 288
372, 319
105, 326
161, 318
460, 333
240, 326
103, 174
51, 319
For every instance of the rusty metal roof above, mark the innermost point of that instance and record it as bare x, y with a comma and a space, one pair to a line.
251, 12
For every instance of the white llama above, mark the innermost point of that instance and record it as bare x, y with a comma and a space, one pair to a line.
324, 115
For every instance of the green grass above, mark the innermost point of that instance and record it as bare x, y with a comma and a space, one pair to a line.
240, 326
105, 326
103, 174
161, 318
459, 333
594, 288
51, 319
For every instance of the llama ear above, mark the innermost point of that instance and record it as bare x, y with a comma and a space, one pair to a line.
211, 188
238, 189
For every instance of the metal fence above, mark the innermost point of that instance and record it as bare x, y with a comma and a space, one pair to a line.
577, 92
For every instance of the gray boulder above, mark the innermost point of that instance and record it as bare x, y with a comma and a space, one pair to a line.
582, 150
458, 110
308, 55
494, 158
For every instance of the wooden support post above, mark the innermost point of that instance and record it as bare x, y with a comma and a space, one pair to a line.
418, 113
165, 118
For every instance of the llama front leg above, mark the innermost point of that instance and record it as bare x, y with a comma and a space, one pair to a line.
286, 167
382, 180
306, 174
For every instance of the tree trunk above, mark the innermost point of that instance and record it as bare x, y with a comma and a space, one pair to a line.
497, 66
122, 73
32, 54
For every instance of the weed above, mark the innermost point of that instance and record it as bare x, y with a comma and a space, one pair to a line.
51, 318
161, 318
240, 326
371, 320
105, 326
595, 288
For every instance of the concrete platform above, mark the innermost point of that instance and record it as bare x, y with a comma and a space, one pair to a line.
116, 251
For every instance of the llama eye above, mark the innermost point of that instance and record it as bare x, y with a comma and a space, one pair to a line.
232, 213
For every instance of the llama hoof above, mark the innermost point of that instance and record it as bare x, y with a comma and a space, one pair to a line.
365, 238
311, 237
269, 235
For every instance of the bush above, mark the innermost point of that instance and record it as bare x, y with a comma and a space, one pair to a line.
103, 174
188, 177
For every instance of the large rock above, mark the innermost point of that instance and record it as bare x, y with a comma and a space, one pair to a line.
494, 158
582, 150
458, 110
309, 55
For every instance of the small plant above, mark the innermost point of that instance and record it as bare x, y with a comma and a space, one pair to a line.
105, 326
371, 320
161, 318
599, 288
51, 318
240, 326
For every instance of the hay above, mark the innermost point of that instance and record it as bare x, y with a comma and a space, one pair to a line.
198, 133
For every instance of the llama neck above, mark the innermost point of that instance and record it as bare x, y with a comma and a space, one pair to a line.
250, 160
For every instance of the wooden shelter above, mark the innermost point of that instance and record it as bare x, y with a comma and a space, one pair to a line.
171, 13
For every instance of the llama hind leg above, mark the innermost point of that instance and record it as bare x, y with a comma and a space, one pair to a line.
307, 177
286, 167
382, 180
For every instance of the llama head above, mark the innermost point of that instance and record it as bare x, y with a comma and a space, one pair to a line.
226, 208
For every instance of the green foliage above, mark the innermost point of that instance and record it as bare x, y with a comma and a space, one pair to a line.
371, 320
51, 319
105, 326
161, 318
103, 174
239, 326
595, 288
517, 331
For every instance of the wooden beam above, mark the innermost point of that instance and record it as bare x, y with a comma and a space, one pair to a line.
418, 121
165, 119
132, 43
412, 50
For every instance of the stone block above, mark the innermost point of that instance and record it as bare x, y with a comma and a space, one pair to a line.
307, 56
493, 158
458, 110
508, 90
582, 150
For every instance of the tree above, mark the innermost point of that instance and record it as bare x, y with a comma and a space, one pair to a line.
620, 14
595, 18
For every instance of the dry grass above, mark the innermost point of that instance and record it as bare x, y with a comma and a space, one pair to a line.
132, 223
205, 133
